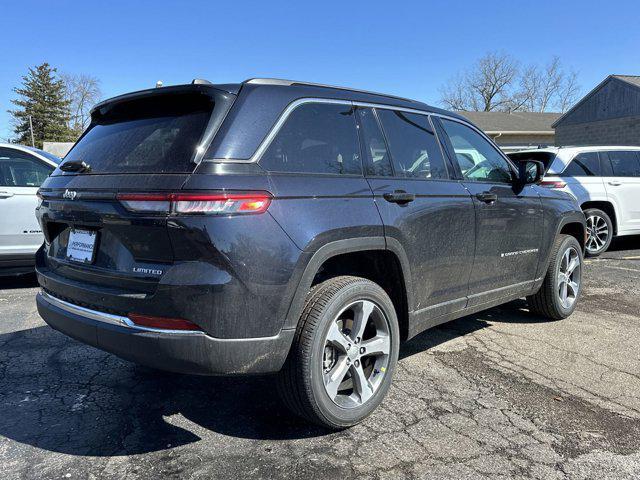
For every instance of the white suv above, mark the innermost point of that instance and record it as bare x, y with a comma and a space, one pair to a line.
604, 180
22, 170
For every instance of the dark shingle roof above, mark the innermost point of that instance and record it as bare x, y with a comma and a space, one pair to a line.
632, 79
512, 122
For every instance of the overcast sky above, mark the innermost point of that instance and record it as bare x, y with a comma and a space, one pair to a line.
404, 48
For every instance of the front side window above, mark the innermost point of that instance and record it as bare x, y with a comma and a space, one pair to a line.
316, 138
583, 165
478, 159
625, 163
18, 169
413, 145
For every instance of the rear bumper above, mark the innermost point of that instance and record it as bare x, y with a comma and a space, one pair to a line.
182, 352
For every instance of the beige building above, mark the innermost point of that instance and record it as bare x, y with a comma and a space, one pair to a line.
516, 130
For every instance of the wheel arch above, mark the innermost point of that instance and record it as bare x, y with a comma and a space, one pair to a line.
606, 206
362, 256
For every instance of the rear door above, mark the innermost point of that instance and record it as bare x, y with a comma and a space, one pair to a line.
508, 219
20, 176
425, 212
622, 183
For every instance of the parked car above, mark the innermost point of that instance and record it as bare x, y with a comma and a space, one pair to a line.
604, 180
276, 226
22, 170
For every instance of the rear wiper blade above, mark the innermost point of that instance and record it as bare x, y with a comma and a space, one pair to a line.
75, 166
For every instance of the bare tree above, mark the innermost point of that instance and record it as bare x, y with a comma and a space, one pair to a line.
496, 82
487, 86
569, 92
83, 91
455, 95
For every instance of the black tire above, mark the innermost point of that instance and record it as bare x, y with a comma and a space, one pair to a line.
547, 300
596, 213
301, 381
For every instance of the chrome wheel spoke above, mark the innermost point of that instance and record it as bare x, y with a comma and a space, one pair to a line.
563, 292
379, 345
573, 286
361, 383
337, 338
573, 263
335, 376
362, 314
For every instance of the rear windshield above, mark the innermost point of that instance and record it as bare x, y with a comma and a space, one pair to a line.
545, 157
157, 134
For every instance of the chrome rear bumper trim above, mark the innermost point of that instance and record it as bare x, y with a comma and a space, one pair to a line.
108, 317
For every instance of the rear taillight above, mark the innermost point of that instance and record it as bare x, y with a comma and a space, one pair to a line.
196, 203
163, 323
553, 184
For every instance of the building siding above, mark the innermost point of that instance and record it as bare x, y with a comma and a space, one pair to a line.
614, 131
614, 99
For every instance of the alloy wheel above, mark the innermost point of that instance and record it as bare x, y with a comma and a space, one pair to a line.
357, 346
597, 233
569, 277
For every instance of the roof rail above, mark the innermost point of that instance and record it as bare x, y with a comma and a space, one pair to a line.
288, 83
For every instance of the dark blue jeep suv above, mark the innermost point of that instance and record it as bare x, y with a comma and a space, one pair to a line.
285, 227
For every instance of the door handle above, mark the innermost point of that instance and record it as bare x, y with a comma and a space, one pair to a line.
6, 194
487, 197
614, 184
399, 196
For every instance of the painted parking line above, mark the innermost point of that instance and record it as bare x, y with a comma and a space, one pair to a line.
622, 268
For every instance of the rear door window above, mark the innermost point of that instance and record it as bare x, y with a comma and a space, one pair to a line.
316, 138
157, 134
413, 145
583, 165
624, 163
18, 169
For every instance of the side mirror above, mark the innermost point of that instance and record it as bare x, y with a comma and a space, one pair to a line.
530, 171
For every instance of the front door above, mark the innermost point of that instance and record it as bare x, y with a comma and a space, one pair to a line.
429, 216
508, 218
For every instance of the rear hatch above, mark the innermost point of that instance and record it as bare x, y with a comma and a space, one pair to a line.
100, 214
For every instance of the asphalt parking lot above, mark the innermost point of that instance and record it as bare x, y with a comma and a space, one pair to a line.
501, 393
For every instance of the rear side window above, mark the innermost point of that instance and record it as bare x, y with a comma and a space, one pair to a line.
624, 163
18, 169
157, 134
583, 165
316, 138
377, 159
414, 149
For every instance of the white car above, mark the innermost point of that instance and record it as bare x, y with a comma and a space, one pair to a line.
22, 170
605, 181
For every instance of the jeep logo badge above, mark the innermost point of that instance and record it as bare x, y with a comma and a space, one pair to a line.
69, 194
